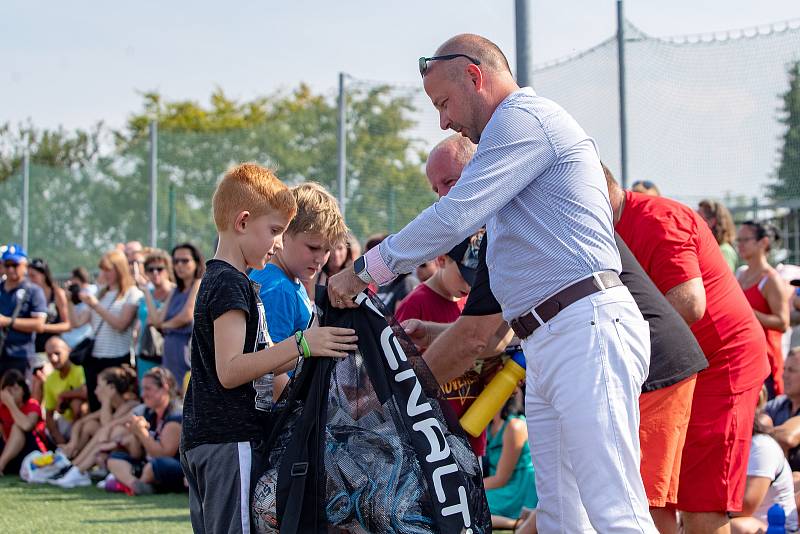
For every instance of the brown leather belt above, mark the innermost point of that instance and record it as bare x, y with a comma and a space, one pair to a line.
525, 325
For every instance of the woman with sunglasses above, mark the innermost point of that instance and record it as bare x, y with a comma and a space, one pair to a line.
57, 321
157, 283
112, 315
176, 318
766, 292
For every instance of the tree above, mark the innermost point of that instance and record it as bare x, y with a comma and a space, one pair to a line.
61, 186
295, 134
84, 200
58, 148
788, 174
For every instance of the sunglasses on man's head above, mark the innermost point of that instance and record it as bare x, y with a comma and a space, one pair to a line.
647, 184
423, 61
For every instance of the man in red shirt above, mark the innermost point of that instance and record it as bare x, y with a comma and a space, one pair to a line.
679, 253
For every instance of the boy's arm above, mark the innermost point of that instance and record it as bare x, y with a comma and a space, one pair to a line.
235, 368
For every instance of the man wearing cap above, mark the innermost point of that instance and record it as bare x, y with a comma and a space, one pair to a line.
23, 310
536, 183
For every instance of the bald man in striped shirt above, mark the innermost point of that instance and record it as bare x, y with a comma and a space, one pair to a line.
537, 184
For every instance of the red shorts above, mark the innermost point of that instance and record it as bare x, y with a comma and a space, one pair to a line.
662, 433
714, 463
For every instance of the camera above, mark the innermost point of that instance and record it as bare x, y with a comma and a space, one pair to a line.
74, 291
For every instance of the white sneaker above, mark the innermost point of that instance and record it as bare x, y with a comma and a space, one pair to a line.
73, 479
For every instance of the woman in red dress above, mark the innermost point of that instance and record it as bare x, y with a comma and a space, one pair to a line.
766, 292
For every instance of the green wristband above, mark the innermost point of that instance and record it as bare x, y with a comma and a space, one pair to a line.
306, 349
297, 337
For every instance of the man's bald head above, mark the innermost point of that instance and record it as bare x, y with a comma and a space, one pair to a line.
446, 161
489, 54
459, 148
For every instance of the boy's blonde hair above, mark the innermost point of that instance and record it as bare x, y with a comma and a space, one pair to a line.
317, 212
250, 187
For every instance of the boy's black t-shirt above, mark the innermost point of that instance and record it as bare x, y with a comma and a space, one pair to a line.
211, 413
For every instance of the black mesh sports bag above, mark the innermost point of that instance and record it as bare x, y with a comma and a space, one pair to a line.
364, 445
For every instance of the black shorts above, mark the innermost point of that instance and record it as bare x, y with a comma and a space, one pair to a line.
219, 477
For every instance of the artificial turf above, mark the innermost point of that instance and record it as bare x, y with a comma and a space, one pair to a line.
42, 508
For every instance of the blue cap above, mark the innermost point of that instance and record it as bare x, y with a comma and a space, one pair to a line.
15, 253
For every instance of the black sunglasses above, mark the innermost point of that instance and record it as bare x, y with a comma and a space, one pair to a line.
155, 269
423, 61
10, 265
647, 184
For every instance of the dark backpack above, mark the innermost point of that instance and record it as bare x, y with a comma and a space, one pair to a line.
363, 444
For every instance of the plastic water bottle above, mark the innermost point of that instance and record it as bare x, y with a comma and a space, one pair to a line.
263, 387
776, 519
494, 395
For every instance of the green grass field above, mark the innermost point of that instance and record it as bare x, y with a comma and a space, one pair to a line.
41, 508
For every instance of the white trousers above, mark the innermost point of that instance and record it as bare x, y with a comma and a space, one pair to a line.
585, 370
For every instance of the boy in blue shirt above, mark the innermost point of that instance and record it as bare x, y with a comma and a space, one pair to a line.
307, 243
226, 410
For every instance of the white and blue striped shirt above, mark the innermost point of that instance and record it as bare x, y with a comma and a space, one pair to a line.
537, 184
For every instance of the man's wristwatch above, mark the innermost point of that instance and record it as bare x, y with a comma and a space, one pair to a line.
360, 268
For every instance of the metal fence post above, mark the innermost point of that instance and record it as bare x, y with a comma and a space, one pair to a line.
623, 126
172, 223
341, 175
153, 184
523, 42
26, 190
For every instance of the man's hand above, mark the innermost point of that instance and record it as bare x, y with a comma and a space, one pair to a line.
418, 332
342, 287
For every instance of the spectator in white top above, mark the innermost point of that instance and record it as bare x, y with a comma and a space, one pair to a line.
78, 282
769, 482
112, 315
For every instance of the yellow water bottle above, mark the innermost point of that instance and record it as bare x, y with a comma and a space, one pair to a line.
494, 395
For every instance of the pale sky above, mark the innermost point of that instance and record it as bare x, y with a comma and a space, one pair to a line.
75, 63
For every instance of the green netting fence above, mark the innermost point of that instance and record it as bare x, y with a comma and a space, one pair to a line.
714, 116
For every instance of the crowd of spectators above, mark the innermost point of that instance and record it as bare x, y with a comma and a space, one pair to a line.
113, 411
